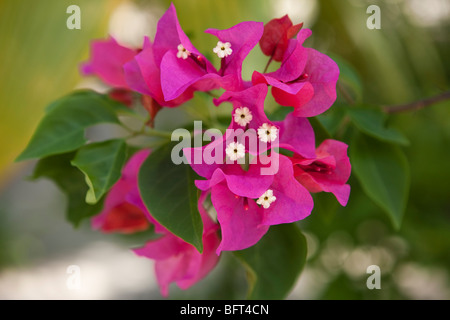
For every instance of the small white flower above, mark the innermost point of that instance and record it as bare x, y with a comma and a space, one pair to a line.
223, 49
242, 116
267, 132
182, 53
266, 199
235, 150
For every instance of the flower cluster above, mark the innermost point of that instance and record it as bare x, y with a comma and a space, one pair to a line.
263, 172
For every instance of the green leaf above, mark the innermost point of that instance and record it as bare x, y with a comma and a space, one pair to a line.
321, 133
280, 113
371, 122
170, 195
101, 164
383, 171
332, 119
275, 262
70, 181
349, 84
63, 126
325, 206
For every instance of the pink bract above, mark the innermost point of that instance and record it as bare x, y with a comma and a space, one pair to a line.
306, 79
119, 214
178, 261
328, 172
107, 60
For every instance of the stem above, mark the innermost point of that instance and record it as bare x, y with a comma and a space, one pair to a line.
417, 105
157, 133
147, 131
345, 94
211, 94
268, 64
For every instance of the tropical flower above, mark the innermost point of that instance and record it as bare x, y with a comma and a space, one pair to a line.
306, 79
328, 171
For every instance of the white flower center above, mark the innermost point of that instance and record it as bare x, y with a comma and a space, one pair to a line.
267, 132
182, 53
235, 150
266, 199
223, 49
242, 116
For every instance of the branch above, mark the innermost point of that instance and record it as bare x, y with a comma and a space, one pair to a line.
417, 105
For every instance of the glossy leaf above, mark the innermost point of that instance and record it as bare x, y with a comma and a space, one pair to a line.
63, 126
170, 195
371, 122
101, 163
383, 171
332, 119
349, 86
71, 181
275, 262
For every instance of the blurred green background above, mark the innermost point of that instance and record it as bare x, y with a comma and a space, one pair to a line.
404, 61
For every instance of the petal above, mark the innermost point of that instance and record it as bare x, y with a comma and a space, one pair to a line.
334, 153
290, 88
162, 248
107, 60
187, 74
240, 228
293, 201
242, 183
168, 271
340, 191
205, 262
297, 134
125, 218
169, 35
342, 171
115, 197
131, 168
296, 95
275, 38
323, 75
243, 38
142, 73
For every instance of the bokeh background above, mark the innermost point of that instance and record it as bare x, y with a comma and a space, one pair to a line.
406, 60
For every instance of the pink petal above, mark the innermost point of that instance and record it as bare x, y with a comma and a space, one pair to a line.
207, 260
293, 201
323, 75
297, 134
162, 248
187, 74
340, 191
168, 271
241, 228
107, 60
338, 150
243, 38
169, 35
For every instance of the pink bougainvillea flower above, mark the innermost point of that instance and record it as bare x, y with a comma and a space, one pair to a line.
143, 75
251, 128
328, 171
306, 79
178, 261
232, 48
248, 203
119, 213
107, 60
184, 68
275, 39
293, 133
